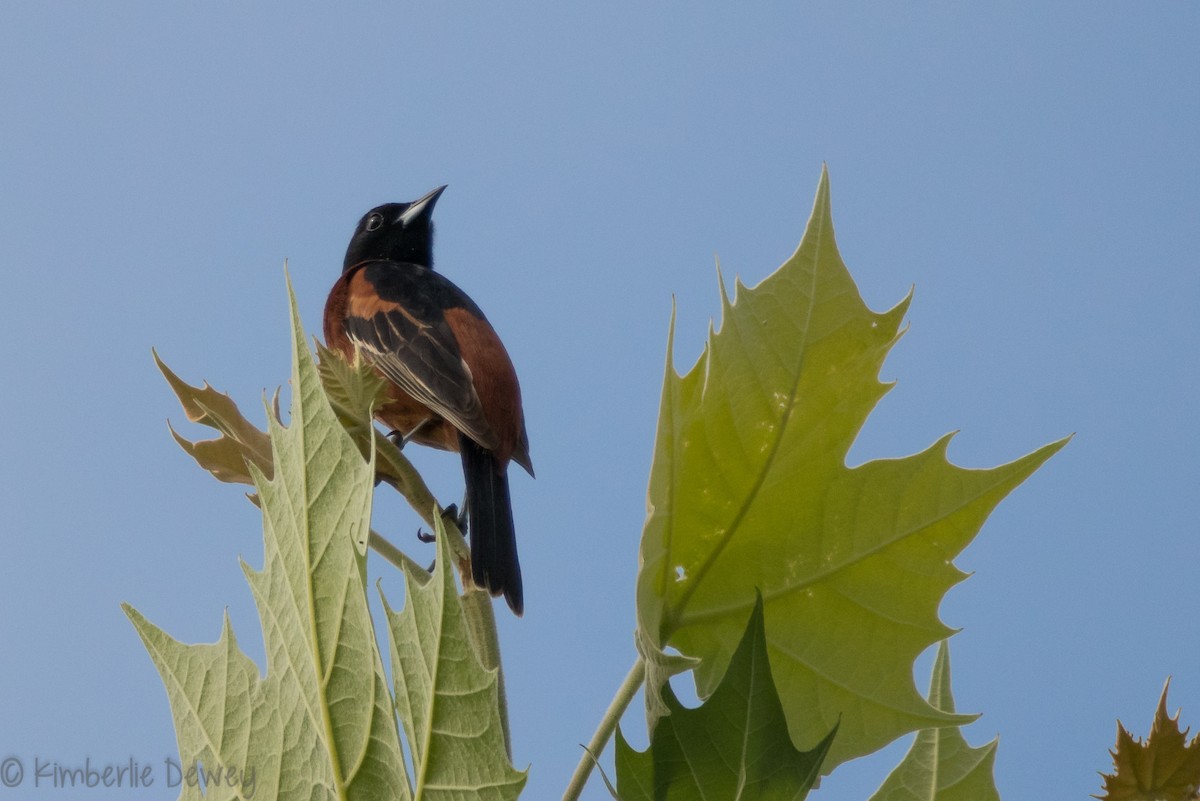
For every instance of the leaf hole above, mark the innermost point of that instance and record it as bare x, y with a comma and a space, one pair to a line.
680, 573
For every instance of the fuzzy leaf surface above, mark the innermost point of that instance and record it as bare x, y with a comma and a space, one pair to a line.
734, 745
941, 766
749, 488
354, 388
447, 701
320, 724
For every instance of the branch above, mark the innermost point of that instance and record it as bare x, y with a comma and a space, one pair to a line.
608, 724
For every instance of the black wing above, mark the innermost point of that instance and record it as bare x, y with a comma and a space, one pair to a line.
395, 314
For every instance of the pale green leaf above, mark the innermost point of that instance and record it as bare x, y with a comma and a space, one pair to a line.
749, 489
321, 723
447, 701
660, 666
355, 389
940, 765
735, 745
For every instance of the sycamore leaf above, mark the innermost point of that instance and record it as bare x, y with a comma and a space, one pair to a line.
447, 701
1166, 767
354, 388
241, 442
941, 766
749, 489
734, 745
320, 724
660, 666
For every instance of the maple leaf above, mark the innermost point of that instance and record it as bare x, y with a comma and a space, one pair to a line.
940, 765
321, 724
734, 745
353, 389
1164, 767
447, 700
750, 490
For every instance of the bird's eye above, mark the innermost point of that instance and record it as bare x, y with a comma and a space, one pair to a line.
374, 221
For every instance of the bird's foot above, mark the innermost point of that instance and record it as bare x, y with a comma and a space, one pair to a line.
451, 514
400, 439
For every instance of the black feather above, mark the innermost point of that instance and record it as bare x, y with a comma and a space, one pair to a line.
494, 563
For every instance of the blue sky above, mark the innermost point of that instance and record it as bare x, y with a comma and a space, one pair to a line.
1031, 169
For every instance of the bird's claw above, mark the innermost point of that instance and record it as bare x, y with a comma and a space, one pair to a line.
449, 514
400, 439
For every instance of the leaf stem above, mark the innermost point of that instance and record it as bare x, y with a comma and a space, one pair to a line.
608, 724
392, 554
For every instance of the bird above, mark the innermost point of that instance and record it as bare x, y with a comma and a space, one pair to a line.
450, 382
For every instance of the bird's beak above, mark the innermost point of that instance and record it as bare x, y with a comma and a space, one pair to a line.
422, 207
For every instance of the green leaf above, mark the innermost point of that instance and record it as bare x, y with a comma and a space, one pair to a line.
940, 766
321, 723
735, 745
749, 489
355, 389
447, 701
1165, 767
660, 666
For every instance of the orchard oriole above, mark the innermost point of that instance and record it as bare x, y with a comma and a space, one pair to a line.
451, 382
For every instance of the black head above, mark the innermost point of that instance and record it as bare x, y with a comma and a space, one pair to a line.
396, 232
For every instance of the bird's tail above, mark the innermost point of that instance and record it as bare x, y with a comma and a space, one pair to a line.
494, 563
